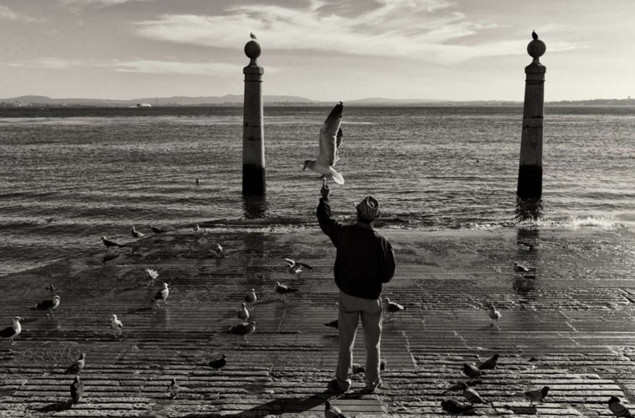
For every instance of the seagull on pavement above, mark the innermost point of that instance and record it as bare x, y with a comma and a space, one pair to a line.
49, 305
393, 307
244, 328
13, 331
116, 325
296, 267
77, 390
135, 233
218, 363
251, 297
454, 407
332, 324
330, 141
162, 294
77, 366
243, 312
471, 371
331, 411
489, 364
537, 395
618, 409
494, 314
110, 243
472, 396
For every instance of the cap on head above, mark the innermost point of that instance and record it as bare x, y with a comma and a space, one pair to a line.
368, 209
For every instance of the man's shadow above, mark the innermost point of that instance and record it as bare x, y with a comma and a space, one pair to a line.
276, 407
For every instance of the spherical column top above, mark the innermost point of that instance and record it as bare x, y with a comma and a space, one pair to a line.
536, 48
252, 50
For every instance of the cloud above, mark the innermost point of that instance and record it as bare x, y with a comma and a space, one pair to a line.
429, 30
177, 67
145, 66
8, 14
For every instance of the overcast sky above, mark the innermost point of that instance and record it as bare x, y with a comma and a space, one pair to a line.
321, 49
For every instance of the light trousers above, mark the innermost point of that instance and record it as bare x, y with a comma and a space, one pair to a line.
351, 308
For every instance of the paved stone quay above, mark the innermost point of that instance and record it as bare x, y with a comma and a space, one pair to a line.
567, 325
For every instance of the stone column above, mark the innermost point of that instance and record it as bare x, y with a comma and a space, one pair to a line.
253, 126
530, 169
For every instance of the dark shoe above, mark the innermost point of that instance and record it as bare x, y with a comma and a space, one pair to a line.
372, 387
338, 386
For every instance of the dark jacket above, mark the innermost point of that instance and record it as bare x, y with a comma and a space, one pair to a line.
364, 258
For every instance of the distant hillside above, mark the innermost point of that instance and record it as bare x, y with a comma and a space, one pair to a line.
228, 99
237, 100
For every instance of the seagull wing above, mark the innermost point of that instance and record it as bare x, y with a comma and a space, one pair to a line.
338, 143
305, 265
290, 262
7, 332
328, 137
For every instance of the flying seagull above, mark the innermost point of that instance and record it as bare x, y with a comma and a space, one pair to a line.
49, 305
454, 407
77, 390
110, 243
284, 289
252, 36
116, 325
618, 409
157, 229
152, 275
296, 267
489, 364
77, 366
537, 395
330, 141
243, 312
522, 268
218, 363
162, 294
331, 411
393, 306
13, 331
135, 233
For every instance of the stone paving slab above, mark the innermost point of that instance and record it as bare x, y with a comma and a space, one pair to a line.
568, 325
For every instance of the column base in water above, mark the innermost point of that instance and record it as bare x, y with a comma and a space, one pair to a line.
253, 180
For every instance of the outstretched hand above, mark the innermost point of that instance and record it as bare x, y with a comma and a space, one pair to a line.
324, 191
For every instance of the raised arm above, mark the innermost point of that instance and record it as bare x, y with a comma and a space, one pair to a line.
330, 227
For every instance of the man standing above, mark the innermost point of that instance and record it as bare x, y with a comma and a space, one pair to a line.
364, 261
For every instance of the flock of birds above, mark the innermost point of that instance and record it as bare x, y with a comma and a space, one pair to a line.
247, 325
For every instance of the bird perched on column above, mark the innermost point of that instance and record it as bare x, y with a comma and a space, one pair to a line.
330, 141
13, 331
454, 407
218, 362
77, 366
471, 371
49, 305
116, 325
618, 409
77, 390
162, 295
243, 312
537, 395
490, 363
110, 243
252, 36
296, 267
393, 307
331, 411
135, 233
